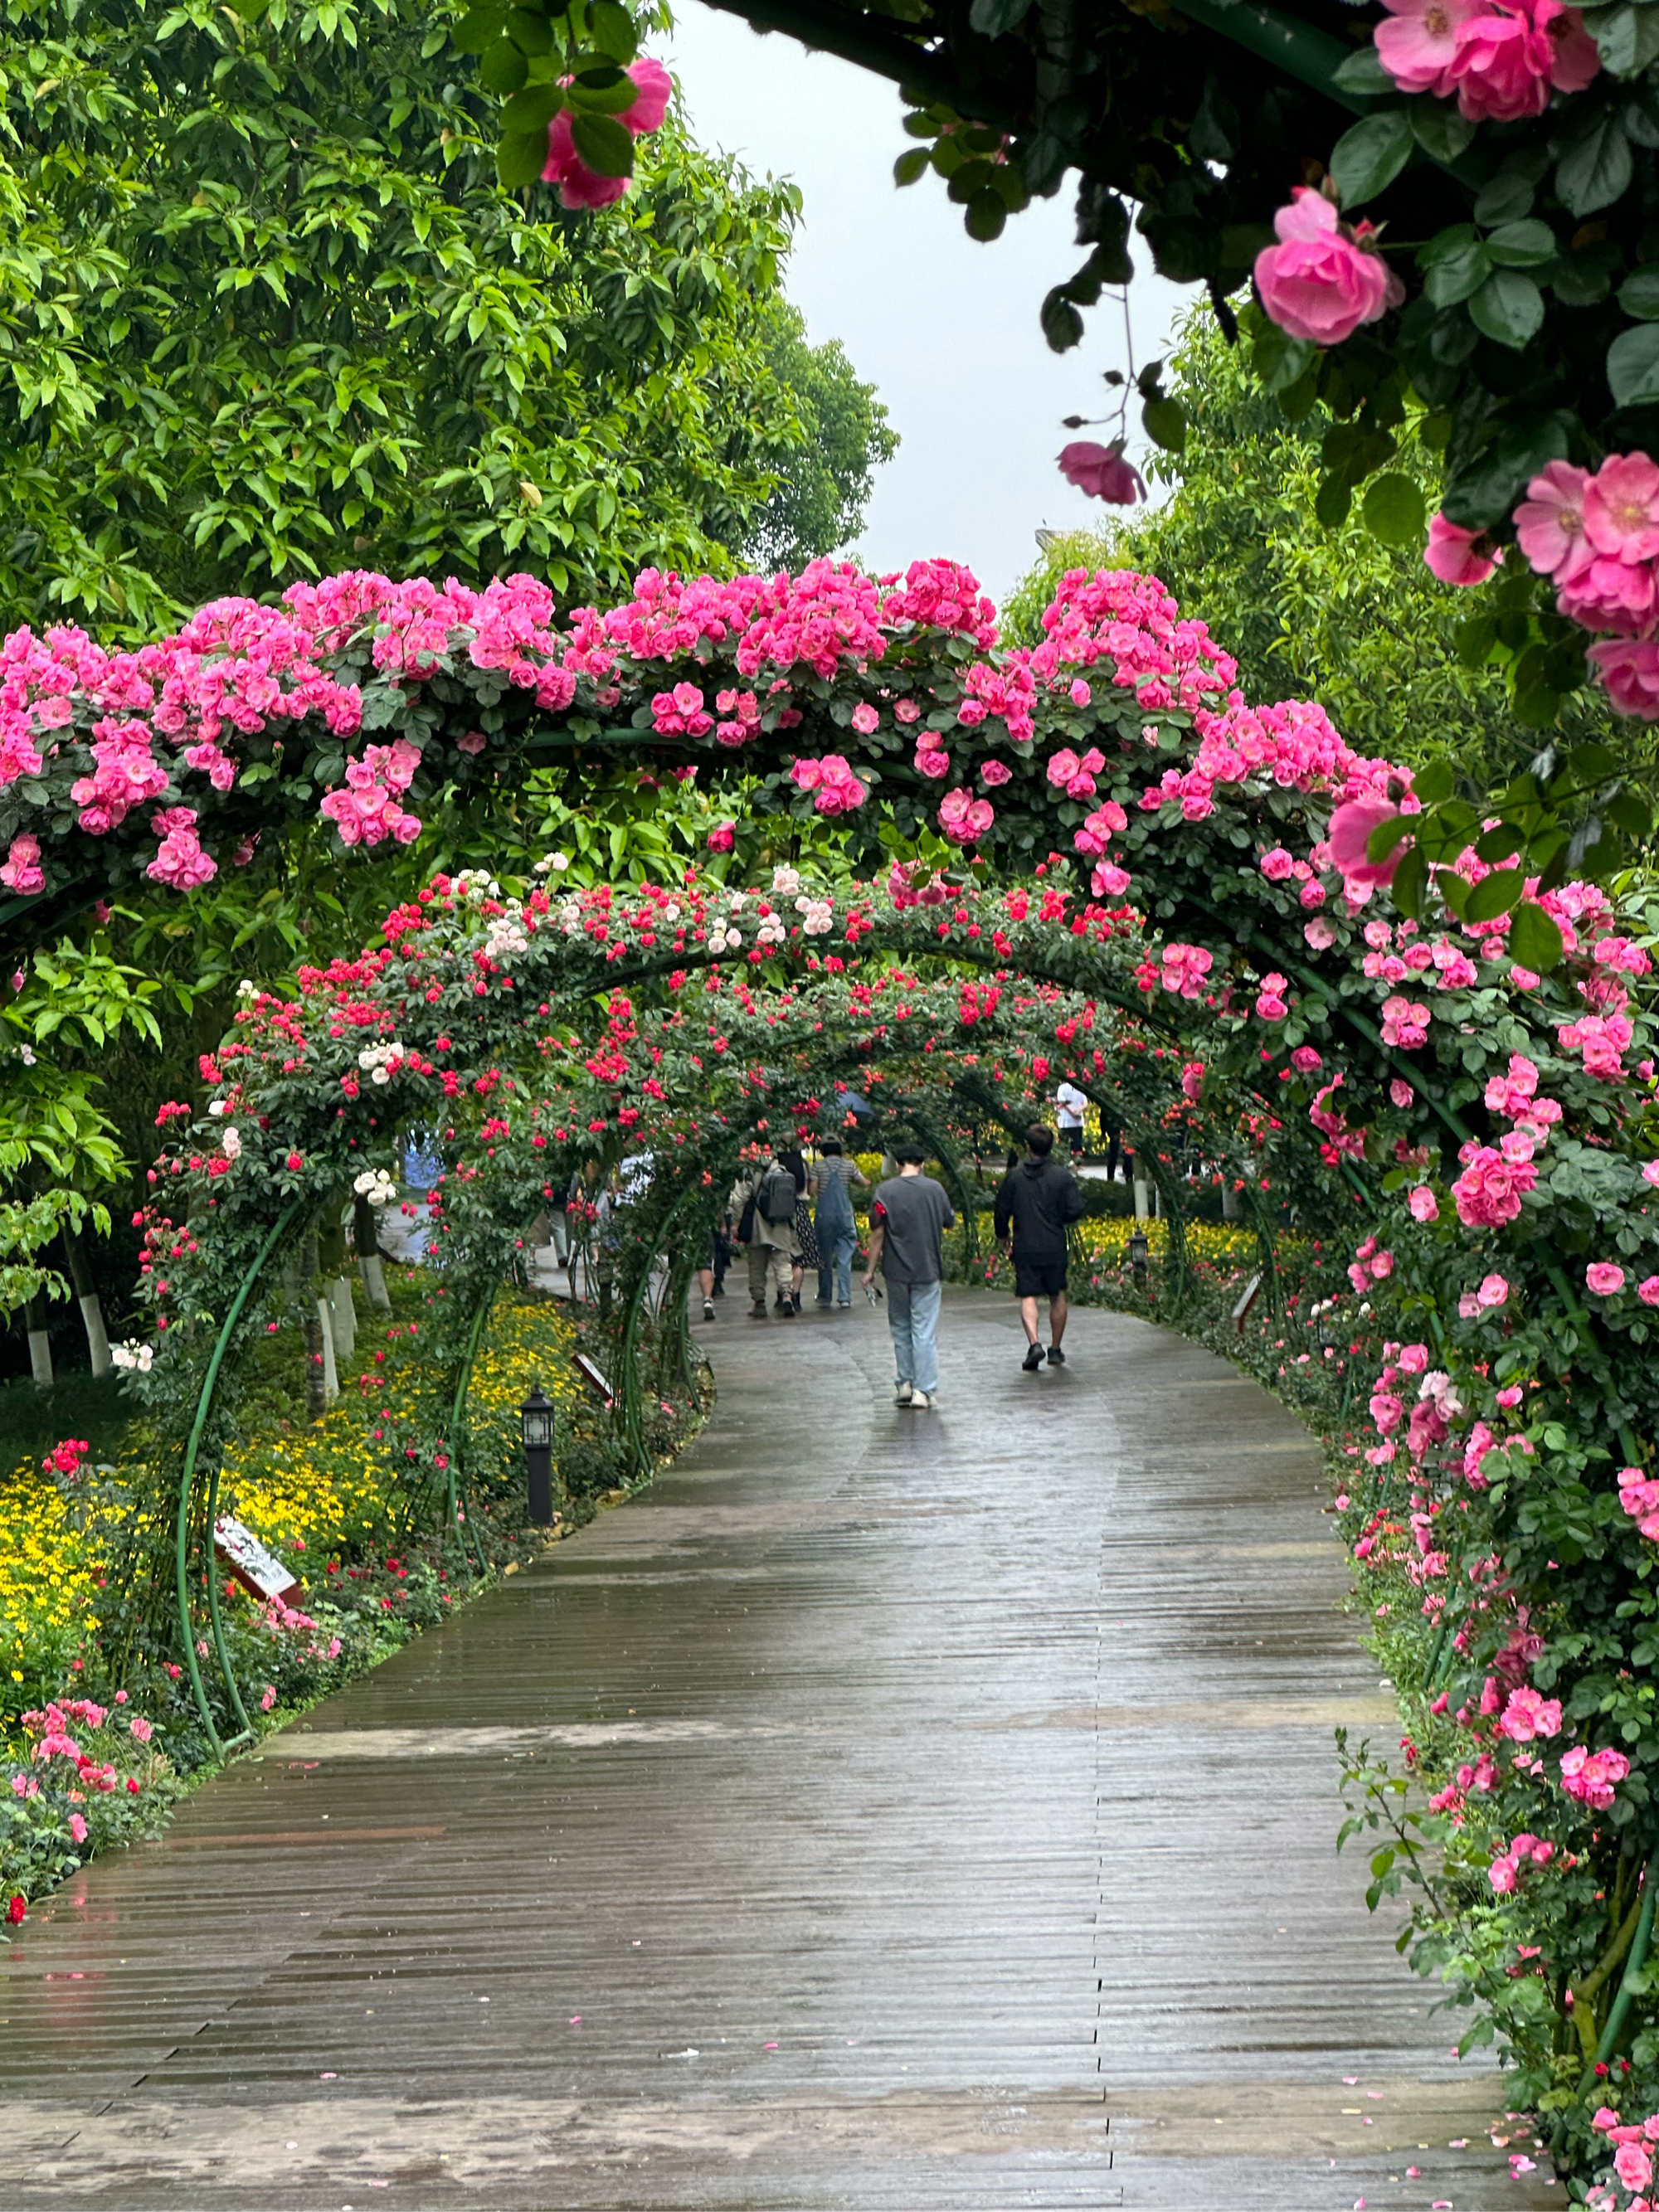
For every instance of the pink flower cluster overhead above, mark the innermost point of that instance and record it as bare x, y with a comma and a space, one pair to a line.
582, 187
1597, 538
1102, 472
1324, 277
1500, 59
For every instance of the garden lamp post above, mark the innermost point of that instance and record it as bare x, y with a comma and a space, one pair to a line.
1139, 1250
536, 1421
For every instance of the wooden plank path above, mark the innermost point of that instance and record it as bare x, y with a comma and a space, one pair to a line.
887, 1810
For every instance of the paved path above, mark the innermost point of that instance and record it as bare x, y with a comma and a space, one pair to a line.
889, 1810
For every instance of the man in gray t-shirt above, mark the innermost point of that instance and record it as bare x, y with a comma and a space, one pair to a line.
908, 1216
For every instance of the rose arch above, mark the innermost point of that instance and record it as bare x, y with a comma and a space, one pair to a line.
1200, 932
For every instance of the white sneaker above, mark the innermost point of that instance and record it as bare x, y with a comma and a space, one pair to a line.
902, 1394
921, 1402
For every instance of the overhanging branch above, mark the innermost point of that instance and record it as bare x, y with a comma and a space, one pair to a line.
868, 43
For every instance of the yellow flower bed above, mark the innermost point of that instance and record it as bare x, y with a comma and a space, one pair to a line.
48, 1570
1223, 1243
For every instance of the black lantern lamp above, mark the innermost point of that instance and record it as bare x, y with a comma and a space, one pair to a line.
1138, 1252
536, 1421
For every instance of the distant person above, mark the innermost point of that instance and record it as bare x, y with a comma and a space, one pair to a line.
763, 1207
908, 1216
807, 1243
1038, 1202
711, 1279
833, 1177
1071, 1111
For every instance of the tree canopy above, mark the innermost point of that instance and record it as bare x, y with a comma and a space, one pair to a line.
824, 486
263, 302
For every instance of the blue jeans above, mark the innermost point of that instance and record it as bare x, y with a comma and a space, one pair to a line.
837, 1240
913, 1317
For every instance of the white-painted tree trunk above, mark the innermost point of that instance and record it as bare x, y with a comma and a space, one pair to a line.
1143, 1200
373, 1275
1232, 1206
92, 1315
41, 1358
330, 1371
342, 1314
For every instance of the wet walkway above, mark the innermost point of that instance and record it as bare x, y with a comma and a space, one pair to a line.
888, 1810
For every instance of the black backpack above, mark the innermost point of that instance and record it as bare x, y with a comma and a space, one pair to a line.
774, 1200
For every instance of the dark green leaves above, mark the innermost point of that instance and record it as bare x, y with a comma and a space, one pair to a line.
910, 164
1633, 365
1394, 511
605, 144
1363, 73
1534, 939
1164, 419
1596, 171
990, 18
1638, 295
1371, 155
1509, 306
1486, 489
1626, 37
1494, 895
478, 30
503, 68
1455, 263
1522, 245
521, 157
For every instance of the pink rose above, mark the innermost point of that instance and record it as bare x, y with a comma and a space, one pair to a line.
993, 772
1319, 282
1278, 864
1350, 829
1418, 46
1648, 1290
1425, 1205
1633, 2164
865, 718
1604, 1278
21, 871
1458, 555
656, 90
722, 837
1494, 1292
1320, 934
1550, 521
1102, 472
579, 185
1401, 1093
1621, 507
1508, 61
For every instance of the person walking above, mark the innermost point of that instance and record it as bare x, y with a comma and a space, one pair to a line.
908, 1216
833, 1176
1038, 1202
1071, 1111
762, 1204
807, 1243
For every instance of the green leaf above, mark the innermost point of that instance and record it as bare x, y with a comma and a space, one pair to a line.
1473, 641
521, 157
1394, 510
605, 144
1495, 894
1280, 360
1491, 483
1369, 155
606, 90
611, 28
503, 68
1410, 879
1165, 423
1629, 813
1638, 295
1509, 307
532, 110
530, 32
1627, 38
478, 29
1499, 844
1633, 365
988, 212
990, 18
1435, 782
1454, 264
1505, 198
1387, 836
1592, 762
1596, 171
910, 164
1522, 245
1439, 130
1535, 940
1062, 325
1363, 72
1332, 501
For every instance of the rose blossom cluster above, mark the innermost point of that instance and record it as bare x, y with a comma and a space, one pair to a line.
1500, 59
367, 811
1597, 536
582, 187
1505, 1872
834, 788
1633, 2159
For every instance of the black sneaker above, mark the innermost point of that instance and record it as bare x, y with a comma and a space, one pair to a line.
1056, 1356
1033, 1358
708, 1309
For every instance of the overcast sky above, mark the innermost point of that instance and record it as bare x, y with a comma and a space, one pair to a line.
946, 329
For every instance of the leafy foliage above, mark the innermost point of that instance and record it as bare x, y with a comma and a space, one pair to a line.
263, 301
819, 502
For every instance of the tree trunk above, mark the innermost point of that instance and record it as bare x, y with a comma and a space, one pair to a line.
34, 1314
1143, 1202
319, 1343
85, 1296
1232, 1206
343, 1317
365, 1235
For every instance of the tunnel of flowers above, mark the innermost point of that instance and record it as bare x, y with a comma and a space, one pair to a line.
1178, 900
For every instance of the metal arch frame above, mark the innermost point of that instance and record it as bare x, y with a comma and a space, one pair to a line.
181, 1526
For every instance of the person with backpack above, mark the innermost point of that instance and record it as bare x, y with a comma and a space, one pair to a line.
763, 1207
908, 1216
1037, 1202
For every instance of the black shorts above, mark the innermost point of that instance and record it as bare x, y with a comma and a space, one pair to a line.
1073, 1140
1039, 1279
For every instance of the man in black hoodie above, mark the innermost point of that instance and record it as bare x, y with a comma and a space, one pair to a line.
1038, 1199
